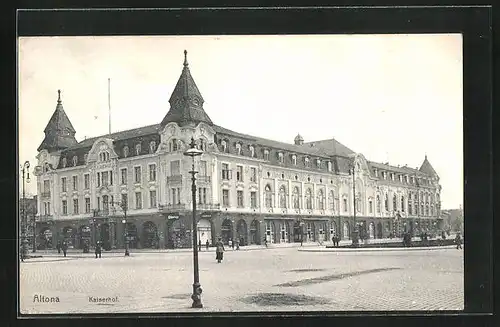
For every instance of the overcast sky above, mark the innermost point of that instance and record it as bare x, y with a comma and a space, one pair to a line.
392, 98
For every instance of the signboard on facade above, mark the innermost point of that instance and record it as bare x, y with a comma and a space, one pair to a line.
206, 215
173, 217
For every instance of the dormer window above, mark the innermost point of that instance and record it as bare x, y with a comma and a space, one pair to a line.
46, 167
318, 163
64, 162
413, 179
252, 151
75, 160
223, 145
238, 149
173, 146
329, 165
266, 154
376, 172
294, 160
406, 179
85, 158
392, 176
103, 156
400, 178
138, 149
152, 147
125, 151
306, 162
384, 175
280, 157
203, 145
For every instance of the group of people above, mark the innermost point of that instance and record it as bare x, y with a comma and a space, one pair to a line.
63, 246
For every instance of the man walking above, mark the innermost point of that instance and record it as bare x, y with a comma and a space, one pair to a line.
65, 247
98, 249
207, 244
199, 245
219, 250
458, 241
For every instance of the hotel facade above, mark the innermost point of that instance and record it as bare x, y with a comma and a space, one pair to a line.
135, 185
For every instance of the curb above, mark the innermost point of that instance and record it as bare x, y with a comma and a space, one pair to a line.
378, 249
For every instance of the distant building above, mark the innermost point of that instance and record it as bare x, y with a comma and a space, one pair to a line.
248, 188
453, 220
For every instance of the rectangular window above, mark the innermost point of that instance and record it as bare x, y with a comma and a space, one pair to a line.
266, 155
63, 184
75, 206
138, 200
123, 173
225, 171
87, 205
64, 207
174, 196
370, 206
98, 203
104, 178
253, 174
86, 181
137, 174
124, 203
240, 199
202, 195
345, 205
239, 173
46, 186
152, 199
75, 183
203, 168
175, 168
47, 208
152, 173
225, 198
98, 179
253, 200
110, 177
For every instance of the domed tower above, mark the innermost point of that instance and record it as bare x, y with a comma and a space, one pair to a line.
298, 140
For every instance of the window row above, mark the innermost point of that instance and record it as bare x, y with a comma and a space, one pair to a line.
402, 178
240, 203
138, 149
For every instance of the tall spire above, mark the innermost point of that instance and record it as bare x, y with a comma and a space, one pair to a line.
427, 168
186, 102
59, 132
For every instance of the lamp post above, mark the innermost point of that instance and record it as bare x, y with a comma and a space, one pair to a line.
196, 297
123, 205
355, 235
24, 245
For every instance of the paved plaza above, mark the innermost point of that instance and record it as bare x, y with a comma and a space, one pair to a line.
278, 279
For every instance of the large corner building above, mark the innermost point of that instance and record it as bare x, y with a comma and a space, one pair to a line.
137, 183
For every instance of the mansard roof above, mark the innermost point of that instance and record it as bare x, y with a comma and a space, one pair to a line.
59, 132
186, 102
331, 146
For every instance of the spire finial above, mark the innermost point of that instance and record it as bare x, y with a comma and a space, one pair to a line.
58, 96
185, 58
426, 156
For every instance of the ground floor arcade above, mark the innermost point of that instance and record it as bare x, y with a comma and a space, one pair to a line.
174, 230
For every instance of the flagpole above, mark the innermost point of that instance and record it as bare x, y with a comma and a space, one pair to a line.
109, 103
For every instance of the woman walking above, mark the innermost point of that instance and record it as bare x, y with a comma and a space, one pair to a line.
219, 250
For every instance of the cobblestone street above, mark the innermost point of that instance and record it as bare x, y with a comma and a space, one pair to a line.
162, 282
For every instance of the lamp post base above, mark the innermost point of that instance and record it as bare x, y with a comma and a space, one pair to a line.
196, 297
355, 239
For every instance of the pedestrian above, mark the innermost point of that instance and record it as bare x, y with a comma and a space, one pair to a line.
337, 239
458, 241
443, 235
265, 242
199, 245
232, 243
58, 247
237, 245
301, 240
207, 244
219, 250
64, 247
98, 249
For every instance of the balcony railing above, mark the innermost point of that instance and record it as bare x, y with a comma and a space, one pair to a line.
203, 179
208, 206
168, 207
174, 179
45, 194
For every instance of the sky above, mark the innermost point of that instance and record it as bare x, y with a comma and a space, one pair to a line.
393, 98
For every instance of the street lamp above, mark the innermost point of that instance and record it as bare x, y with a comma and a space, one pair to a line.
354, 237
124, 207
24, 249
196, 297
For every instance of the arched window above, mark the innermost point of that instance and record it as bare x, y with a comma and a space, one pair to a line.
378, 203
64, 162
331, 201
321, 200
306, 162
152, 147
344, 203
295, 198
394, 202
203, 145
252, 151
282, 194
402, 203
309, 199
280, 157
358, 202
173, 146
268, 196
266, 154
318, 163
294, 160
238, 149
75, 160
223, 145
138, 149
125, 151
370, 205
329, 165
386, 202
